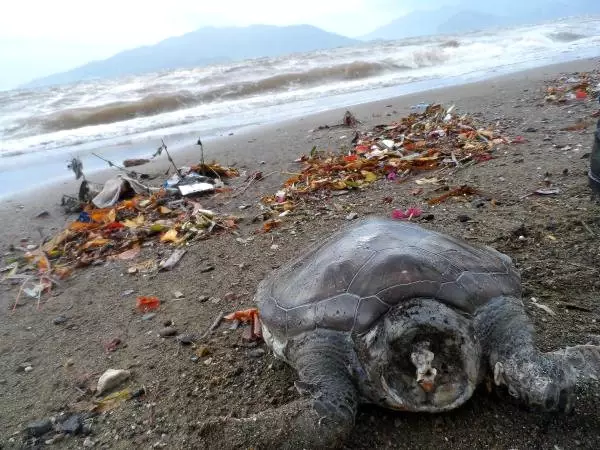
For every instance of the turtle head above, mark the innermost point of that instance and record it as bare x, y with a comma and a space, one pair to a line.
424, 357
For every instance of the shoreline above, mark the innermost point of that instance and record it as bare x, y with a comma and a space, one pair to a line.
52, 164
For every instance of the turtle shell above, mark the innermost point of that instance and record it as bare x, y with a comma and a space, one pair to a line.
350, 280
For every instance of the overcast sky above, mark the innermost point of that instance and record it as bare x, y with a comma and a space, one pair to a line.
40, 37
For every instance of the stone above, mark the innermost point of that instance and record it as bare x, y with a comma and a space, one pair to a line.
111, 379
72, 425
352, 216
178, 294
28, 369
257, 353
167, 332
203, 298
207, 269
463, 218
60, 320
88, 442
38, 428
186, 339
148, 316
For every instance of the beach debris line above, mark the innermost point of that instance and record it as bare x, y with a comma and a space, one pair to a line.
115, 220
579, 86
423, 141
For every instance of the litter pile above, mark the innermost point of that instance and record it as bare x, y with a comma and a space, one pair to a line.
578, 86
419, 142
117, 218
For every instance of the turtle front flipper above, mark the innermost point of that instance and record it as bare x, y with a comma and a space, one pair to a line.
323, 418
545, 381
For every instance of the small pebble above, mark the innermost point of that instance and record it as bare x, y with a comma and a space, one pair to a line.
257, 353
149, 316
352, 216
60, 320
186, 339
72, 425
203, 298
38, 428
203, 351
194, 358
206, 269
28, 369
88, 442
463, 218
215, 300
167, 331
127, 292
178, 294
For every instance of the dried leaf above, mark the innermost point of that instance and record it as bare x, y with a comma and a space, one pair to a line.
270, 225
134, 223
369, 177
129, 254
96, 242
169, 236
458, 192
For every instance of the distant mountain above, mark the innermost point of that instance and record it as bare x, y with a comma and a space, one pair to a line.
472, 15
207, 45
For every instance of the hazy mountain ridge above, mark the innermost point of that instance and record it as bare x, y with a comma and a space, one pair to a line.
208, 45
472, 15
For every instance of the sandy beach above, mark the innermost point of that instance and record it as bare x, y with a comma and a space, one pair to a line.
554, 241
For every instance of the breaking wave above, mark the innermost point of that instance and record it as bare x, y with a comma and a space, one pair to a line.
229, 95
565, 36
154, 104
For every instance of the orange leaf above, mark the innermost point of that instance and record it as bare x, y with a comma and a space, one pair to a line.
270, 225
104, 215
246, 315
145, 304
83, 226
98, 242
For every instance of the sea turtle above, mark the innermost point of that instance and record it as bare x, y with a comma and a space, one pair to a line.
394, 314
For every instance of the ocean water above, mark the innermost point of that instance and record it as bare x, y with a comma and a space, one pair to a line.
54, 123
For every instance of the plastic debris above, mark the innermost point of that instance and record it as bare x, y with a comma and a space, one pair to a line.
409, 214
145, 304
549, 191
248, 316
172, 260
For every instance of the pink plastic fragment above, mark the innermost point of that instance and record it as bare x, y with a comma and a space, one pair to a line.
410, 213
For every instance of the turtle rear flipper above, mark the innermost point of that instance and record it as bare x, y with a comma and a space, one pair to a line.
323, 418
545, 381
585, 360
